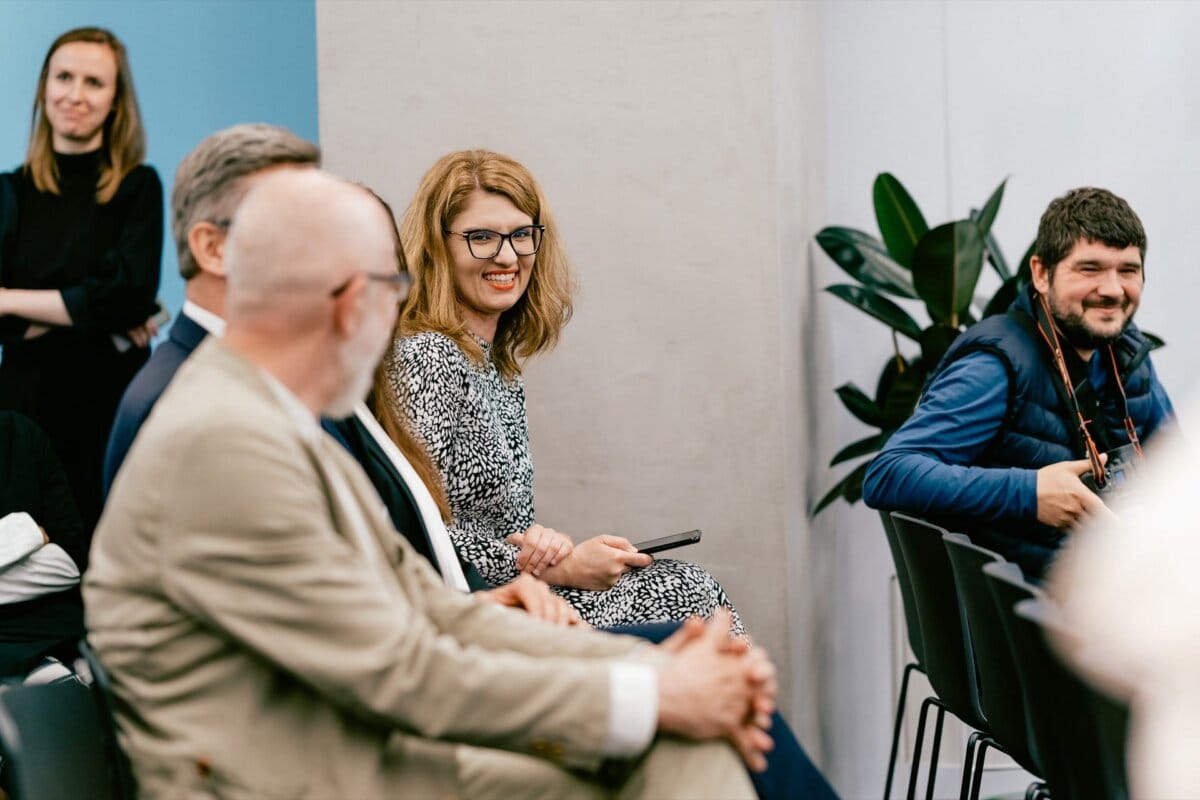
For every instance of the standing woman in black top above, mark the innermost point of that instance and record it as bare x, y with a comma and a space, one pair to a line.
80, 248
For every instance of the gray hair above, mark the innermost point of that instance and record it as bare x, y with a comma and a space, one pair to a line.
208, 181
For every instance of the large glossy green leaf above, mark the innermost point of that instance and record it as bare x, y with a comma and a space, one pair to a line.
878, 307
946, 265
984, 217
899, 389
865, 446
849, 487
995, 257
987, 214
1004, 296
935, 341
862, 407
900, 221
865, 259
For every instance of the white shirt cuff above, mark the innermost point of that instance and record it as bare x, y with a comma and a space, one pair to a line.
632, 709
19, 536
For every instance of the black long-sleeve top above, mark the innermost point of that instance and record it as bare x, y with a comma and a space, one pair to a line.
103, 258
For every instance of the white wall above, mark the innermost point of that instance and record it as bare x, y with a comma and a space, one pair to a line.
952, 98
694, 386
677, 145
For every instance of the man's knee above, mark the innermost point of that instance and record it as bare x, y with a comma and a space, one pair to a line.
682, 770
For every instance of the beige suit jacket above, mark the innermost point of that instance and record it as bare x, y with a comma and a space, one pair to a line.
254, 651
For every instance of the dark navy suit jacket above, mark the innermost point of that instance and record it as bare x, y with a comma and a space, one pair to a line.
145, 389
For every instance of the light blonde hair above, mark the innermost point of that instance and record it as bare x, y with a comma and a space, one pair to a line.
124, 140
386, 407
533, 324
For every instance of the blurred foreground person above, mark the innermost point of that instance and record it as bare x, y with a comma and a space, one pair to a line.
269, 635
1129, 587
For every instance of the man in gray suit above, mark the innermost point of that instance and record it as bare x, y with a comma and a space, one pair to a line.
268, 634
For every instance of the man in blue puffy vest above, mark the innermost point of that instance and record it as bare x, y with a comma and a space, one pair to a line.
1018, 414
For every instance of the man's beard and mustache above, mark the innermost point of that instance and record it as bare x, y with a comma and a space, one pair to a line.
1075, 329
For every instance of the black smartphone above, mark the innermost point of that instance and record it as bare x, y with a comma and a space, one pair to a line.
668, 542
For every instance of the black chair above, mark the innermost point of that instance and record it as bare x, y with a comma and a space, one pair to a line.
1008, 586
1094, 772
52, 744
120, 773
1112, 725
948, 660
913, 627
1000, 695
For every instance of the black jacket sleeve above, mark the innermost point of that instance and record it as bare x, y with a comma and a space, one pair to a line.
57, 513
121, 295
12, 329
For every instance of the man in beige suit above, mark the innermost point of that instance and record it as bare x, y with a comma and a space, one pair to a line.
269, 635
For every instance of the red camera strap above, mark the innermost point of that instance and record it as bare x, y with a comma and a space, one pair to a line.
1049, 332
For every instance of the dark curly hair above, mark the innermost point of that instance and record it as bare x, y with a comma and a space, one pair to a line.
1090, 214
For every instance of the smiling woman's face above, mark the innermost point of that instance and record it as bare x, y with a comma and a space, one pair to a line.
81, 84
487, 287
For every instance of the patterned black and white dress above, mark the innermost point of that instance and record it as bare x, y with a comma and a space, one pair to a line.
474, 426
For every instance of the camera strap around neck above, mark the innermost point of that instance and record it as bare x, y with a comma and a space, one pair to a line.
1081, 395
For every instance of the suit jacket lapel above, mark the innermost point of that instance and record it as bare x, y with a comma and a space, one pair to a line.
382, 463
187, 333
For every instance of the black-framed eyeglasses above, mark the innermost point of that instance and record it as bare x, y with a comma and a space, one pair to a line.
485, 244
399, 282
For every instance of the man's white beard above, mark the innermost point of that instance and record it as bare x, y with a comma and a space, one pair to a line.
358, 358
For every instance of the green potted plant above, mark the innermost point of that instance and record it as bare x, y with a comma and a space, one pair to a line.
940, 267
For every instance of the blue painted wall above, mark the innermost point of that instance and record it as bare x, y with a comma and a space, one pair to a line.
198, 66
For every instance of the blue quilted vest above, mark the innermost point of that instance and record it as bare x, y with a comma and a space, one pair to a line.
1038, 428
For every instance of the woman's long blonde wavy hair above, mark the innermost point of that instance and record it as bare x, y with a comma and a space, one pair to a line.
124, 140
385, 405
533, 324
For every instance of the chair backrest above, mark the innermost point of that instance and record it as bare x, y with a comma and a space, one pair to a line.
1002, 703
1008, 587
120, 774
51, 742
911, 620
949, 663
1095, 771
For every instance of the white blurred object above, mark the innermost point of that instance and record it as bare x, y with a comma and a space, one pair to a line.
1129, 584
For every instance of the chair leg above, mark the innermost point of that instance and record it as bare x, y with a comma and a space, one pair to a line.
916, 762
891, 771
980, 756
934, 751
968, 761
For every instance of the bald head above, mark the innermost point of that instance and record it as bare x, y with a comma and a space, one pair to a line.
297, 235
308, 297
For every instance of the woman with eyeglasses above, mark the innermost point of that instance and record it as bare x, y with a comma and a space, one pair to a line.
81, 226
493, 287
